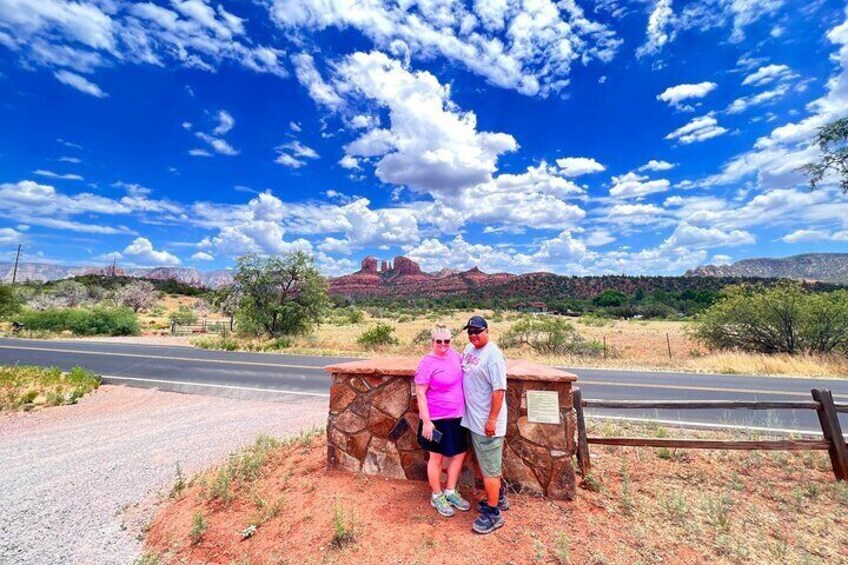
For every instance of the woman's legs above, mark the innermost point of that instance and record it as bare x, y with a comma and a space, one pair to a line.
454, 469
434, 472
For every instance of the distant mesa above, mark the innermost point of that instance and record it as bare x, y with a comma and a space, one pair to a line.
823, 267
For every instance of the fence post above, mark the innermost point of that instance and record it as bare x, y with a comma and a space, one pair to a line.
173, 327
605, 347
582, 443
668, 342
832, 432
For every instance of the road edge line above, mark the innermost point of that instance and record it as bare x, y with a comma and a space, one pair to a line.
210, 385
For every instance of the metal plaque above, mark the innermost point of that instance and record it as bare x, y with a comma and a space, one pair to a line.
543, 406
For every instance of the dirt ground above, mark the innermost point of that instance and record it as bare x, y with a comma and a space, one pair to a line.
653, 506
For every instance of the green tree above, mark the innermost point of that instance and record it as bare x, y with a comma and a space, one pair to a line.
280, 295
785, 318
610, 298
832, 140
9, 302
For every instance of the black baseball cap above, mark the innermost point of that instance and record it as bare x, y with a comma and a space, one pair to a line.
476, 322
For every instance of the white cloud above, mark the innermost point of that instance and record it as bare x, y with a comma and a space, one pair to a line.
807, 236
80, 83
292, 154
431, 146
199, 153
529, 46
768, 74
74, 160
699, 129
142, 251
660, 29
225, 123
741, 104
308, 75
220, 146
348, 162
295, 127
84, 36
674, 95
632, 185
8, 235
202, 256
774, 159
52, 175
577, 166
654, 165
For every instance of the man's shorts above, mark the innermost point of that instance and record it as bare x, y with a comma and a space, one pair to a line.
489, 453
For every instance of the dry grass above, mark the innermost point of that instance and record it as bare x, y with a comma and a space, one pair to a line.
631, 344
652, 507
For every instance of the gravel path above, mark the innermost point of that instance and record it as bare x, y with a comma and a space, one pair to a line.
77, 483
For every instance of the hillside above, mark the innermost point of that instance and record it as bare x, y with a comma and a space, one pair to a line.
49, 272
410, 283
825, 267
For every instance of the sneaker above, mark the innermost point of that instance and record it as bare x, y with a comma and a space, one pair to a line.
503, 501
442, 506
488, 521
458, 502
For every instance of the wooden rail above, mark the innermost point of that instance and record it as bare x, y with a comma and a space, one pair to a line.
833, 441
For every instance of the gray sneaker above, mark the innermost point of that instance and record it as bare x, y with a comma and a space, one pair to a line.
458, 502
442, 506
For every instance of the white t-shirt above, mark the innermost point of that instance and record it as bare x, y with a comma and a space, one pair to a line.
483, 371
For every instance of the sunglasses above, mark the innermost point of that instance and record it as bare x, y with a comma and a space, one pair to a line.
476, 331
442, 341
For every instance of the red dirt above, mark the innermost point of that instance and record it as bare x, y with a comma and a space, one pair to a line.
395, 524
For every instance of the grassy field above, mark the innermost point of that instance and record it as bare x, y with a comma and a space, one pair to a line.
24, 388
276, 502
630, 344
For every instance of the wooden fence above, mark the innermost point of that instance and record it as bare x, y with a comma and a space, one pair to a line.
822, 402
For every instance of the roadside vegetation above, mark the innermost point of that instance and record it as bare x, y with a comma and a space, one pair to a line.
25, 388
280, 503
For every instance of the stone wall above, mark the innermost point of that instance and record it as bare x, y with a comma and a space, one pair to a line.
373, 423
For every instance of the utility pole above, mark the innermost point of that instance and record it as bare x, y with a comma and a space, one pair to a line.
17, 259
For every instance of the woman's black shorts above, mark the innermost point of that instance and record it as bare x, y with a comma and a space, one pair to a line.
454, 437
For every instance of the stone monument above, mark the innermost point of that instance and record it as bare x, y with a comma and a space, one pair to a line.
373, 422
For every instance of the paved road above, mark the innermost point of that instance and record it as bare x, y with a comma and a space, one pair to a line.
269, 375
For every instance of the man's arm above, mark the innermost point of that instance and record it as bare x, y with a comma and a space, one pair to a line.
497, 403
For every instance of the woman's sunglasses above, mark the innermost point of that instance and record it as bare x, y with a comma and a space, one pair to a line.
442, 341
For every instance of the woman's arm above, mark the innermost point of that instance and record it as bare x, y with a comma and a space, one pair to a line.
427, 426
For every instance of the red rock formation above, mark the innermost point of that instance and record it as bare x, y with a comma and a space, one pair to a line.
406, 266
385, 266
369, 265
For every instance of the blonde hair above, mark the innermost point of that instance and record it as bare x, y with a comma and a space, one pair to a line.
440, 329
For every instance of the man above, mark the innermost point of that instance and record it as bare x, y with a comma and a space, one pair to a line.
484, 384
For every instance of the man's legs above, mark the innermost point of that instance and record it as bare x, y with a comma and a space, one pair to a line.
492, 486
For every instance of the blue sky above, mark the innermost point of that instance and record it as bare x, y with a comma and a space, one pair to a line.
637, 137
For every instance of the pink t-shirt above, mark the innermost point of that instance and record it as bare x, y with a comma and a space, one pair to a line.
444, 396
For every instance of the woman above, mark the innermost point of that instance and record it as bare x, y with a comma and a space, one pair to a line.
441, 405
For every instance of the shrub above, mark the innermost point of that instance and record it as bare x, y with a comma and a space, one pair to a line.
82, 321
184, 316
785, 318
9, 303
20, 385
344, 530
377, 336
548, 335
198, 528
